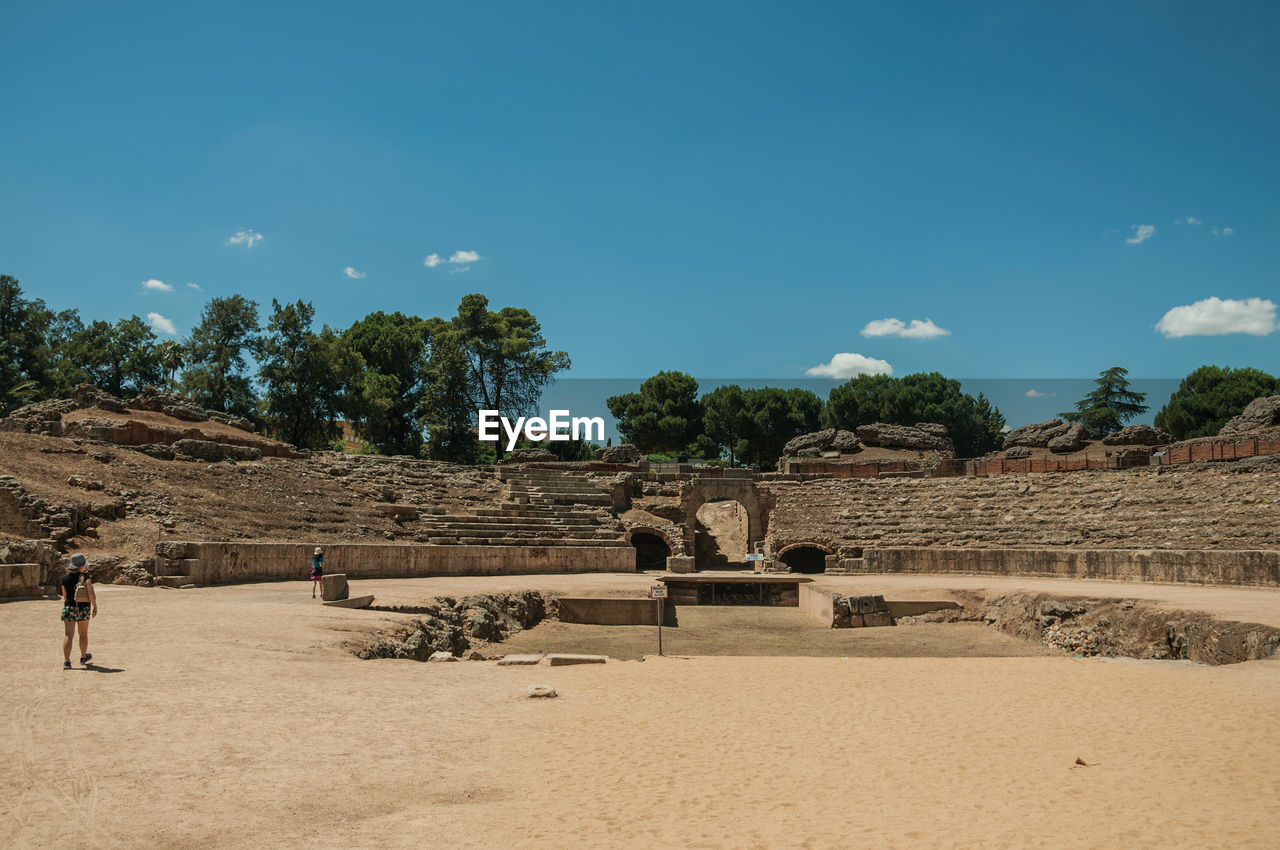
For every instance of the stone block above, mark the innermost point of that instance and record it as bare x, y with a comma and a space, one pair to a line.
562, 659
867, 604
334, 587
877, 619
19, 579
441, 656
680, 564
525, 660
355, 602
856, 621
541, 692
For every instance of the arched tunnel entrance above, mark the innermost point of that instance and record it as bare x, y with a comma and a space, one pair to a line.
804, 558
652, 550
720, 535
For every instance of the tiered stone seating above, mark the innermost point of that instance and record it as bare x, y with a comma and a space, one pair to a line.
543, 508
552, 487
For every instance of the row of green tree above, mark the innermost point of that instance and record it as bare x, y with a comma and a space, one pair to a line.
413, 385
751, 426
410, 385
1201, 405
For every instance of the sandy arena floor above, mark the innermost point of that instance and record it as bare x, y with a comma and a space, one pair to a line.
234, 717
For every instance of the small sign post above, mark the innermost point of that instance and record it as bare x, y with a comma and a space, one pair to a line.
658, 593
756, 561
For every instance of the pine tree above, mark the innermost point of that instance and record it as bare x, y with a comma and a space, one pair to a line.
1107, 408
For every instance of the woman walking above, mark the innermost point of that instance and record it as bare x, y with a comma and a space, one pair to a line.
79, 603
317, 570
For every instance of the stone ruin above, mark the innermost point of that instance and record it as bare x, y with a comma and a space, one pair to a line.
413, 517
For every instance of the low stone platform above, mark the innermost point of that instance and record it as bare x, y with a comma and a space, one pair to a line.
733, 589
608, 611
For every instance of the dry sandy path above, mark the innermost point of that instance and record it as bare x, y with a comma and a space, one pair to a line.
236, 719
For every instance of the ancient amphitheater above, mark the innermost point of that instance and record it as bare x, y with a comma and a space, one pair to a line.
199, 533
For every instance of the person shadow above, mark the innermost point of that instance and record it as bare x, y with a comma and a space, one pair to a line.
98, 668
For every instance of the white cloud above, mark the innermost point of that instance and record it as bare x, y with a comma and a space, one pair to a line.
896, 327
1225, 231
1191, 220
156, 285
352, 273
457, 258
160, 324
1141, 233
460, 269
1218, 316
246, 238
845, 365
1034, 393
194, 286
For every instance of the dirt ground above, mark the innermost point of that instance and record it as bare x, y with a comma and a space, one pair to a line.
235, 716
725, 630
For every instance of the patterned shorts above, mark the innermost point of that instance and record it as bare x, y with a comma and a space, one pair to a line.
76, 613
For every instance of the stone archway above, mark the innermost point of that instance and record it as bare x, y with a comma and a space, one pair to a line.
754, 502
652, 546
720, 536
805, 557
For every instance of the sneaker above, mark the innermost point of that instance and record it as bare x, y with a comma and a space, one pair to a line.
85, 659
66, 665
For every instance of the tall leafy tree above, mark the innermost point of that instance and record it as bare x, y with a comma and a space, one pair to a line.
771, 417
447, 412
974, 425
173, 356
304, 375
508, 362
119, 358
1110, 405
33, 357
386, 398
664, 416
990, 424
217, 377
724, 419
1211, 395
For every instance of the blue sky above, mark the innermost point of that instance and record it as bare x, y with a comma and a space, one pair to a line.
730, 189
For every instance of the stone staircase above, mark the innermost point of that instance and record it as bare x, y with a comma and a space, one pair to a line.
553, 487
542, 508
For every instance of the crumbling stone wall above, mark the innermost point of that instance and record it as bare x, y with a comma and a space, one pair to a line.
1209, 507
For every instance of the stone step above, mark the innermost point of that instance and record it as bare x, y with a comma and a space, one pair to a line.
523, 534
508, 541
520, 522
509, 519
571, 500
516, 492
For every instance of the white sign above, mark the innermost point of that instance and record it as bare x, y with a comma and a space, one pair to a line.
755, 557
658, 592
